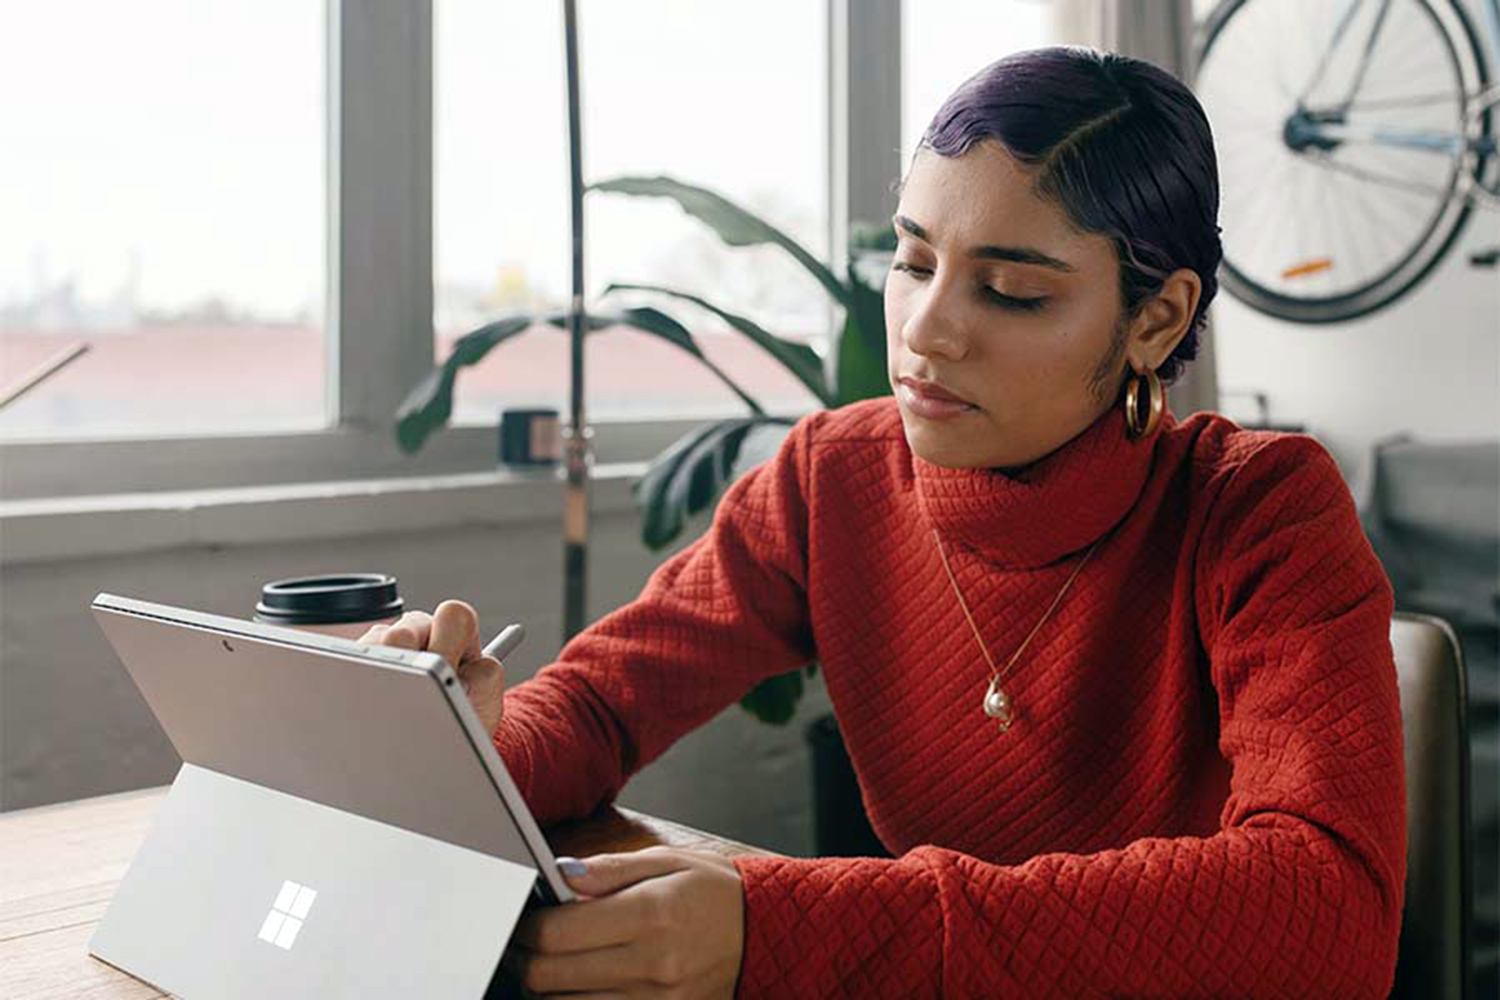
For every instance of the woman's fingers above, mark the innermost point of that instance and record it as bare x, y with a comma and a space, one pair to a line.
410, 631
673, 926
480, 675
454, 632
601, 969
484, 683
451, 631
587, 924
609, 873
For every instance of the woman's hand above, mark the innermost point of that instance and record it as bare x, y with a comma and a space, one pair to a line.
659, 922
452, 631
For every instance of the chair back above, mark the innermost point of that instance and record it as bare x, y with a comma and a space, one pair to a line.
1434, 956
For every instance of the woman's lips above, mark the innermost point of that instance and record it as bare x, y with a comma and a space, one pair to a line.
927, 399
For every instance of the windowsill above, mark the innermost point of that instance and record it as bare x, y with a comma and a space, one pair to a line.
41, 470
58, 528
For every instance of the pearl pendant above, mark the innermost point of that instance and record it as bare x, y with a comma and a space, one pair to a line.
997, 704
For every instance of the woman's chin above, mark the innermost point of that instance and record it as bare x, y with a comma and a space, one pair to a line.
941, 445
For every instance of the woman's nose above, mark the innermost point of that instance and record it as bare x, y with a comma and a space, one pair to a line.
930, 330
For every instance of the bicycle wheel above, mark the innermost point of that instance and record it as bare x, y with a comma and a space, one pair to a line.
1324, 216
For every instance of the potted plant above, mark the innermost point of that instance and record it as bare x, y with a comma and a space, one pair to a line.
687, 477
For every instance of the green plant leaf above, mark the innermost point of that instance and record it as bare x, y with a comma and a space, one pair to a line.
429, 404
659, 525
656, 322
774, 699
686, 477
862, 370
704, 472
734, 225
595, 321
799, 359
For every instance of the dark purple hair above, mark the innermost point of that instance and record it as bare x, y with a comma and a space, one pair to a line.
1121, 145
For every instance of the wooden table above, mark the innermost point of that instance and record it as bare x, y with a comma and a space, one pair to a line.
59, 866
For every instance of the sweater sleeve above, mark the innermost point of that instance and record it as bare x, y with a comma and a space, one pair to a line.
712, 621
1298, 893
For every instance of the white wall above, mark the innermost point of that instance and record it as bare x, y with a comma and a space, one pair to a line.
1428, 365
72, 724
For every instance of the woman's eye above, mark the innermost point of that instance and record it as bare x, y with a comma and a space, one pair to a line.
998, 298
1011, 302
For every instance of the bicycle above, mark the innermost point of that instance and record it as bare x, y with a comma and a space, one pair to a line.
1354, 139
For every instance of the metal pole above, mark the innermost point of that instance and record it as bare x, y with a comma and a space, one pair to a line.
43, 372
576, 435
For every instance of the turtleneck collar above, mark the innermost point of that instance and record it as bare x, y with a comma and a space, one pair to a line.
1049, 509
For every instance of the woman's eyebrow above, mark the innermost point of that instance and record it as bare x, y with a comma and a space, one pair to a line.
1019, 255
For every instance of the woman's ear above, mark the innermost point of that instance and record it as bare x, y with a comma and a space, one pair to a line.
1164, 320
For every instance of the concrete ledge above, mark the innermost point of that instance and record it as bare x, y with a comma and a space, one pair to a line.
54, 529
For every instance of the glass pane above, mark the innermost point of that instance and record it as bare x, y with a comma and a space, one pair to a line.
944, 42
676, 88
162, 191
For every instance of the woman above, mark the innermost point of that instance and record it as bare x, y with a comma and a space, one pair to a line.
1118, 688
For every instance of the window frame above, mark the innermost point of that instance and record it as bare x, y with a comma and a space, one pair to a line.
379, 270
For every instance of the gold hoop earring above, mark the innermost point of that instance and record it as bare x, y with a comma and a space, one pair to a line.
1158, 403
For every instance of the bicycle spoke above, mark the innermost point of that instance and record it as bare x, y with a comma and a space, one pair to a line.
1235, 150
1334, 234
1413, 165
1239, 194
1371, 41
1400, 103
1340, 32
1375, 210
1401, 62
1263, 125
1352, 252
1304, 252
1271, 228
1374, 178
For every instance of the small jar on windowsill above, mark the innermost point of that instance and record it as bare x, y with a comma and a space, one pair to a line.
530, 437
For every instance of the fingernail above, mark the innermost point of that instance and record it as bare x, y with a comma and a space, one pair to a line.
572, 867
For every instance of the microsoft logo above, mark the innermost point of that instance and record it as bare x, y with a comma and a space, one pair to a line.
287, 914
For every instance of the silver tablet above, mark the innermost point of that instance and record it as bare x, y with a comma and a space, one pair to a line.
341, 820
386, 733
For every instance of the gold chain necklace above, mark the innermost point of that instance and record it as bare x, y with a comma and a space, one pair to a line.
997, 702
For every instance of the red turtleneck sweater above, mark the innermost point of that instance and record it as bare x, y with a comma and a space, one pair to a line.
1202, 793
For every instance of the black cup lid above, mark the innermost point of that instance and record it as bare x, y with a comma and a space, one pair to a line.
329, 600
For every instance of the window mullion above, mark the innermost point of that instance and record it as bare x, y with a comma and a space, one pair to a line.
864, 114
380, 206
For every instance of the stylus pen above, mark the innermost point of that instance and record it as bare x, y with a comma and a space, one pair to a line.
509, 638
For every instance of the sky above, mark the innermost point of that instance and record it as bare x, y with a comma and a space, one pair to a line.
177, 145
188, 137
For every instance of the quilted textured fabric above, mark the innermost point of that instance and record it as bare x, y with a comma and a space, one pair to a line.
1202, 793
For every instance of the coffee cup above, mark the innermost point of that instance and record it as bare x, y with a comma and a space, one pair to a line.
341, 604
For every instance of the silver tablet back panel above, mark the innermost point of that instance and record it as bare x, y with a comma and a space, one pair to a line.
313, 772
375, 739
241, 891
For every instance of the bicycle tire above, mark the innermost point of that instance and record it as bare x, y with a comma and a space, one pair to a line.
1434, 245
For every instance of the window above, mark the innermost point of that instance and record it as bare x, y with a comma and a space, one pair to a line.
163, 197
203, 176
680, 88
944, 42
